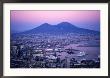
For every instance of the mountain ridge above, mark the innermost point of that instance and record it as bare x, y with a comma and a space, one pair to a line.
63, 27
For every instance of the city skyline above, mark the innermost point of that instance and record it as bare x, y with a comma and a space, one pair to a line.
26, 20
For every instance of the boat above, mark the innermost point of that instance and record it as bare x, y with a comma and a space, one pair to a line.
81, 54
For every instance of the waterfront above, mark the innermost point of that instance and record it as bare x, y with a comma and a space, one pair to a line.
55, 51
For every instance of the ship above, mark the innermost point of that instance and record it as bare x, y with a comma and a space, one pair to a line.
81, 54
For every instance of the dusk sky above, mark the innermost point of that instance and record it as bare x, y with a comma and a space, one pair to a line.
25, 20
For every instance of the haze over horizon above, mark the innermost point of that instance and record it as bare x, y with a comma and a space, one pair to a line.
25, 20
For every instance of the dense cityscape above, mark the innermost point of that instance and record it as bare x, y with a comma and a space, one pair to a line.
42, 50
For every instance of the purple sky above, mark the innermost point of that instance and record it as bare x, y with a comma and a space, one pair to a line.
25, 20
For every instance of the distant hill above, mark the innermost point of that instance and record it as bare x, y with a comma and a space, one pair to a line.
61, 28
